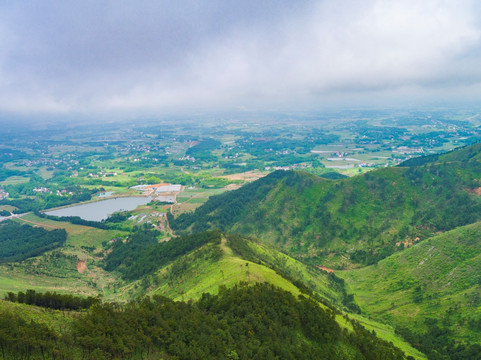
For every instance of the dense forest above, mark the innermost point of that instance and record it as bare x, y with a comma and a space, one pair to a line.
245, 322
51, 300
142, 254
19, 242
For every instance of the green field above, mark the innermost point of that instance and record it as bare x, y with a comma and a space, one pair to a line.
15, 180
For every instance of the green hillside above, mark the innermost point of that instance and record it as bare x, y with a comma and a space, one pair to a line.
56, 270
244, 322
350, 222
436, 284
233, 259
214, 265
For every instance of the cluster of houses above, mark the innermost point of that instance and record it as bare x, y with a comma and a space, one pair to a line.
3, 194
44, 190
102, 174
188, 158
291, 167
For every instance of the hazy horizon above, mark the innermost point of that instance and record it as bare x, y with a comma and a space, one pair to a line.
145, 58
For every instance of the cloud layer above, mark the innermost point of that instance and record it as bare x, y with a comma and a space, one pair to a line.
150, 56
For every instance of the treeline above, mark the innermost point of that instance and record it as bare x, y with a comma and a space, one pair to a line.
232, 205
6, 173
52, 300
76, 220
203, 150
243, 323
142, 254
113, 222
439, 343
19, 242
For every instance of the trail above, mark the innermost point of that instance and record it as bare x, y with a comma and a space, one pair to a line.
40, 224
167, 226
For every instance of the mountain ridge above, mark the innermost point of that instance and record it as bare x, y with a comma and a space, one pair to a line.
364, 218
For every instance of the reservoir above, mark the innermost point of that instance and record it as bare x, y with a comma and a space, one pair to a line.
101, 210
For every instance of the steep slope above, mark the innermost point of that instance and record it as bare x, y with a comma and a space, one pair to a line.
359, 220
221, 263
244, 322
438, 278
436, 284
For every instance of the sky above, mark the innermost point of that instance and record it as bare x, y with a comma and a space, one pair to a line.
148, 57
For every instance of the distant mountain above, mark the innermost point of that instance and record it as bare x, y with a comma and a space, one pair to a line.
354, 221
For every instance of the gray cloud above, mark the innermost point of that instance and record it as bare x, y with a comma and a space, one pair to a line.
148, 56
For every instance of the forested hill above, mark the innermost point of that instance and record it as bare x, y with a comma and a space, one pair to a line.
244, 322
358, 220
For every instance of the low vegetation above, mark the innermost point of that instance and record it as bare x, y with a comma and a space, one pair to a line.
431, 292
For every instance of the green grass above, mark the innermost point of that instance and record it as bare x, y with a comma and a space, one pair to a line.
387, 333
57, 320
44, 173
15, 180
55, 271
202, 272
7, 207
77, 235
439, 278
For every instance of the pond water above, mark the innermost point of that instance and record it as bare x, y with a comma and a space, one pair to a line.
101, 210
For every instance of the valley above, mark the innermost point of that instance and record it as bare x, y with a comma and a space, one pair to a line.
347, 217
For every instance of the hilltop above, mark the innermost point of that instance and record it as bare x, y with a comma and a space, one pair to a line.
350, 222
190, 268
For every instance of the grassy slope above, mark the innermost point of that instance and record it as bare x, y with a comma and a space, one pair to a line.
57, 270
77, 235
438, 278
55, 319
202, 270
362, 217
207, 268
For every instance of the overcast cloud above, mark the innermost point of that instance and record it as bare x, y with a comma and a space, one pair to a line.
147, 56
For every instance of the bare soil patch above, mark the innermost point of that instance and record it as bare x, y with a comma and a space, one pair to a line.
476, 191
245, 176
325, 268
81, 266
233, 187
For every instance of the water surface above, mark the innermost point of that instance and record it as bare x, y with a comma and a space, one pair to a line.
101, 210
